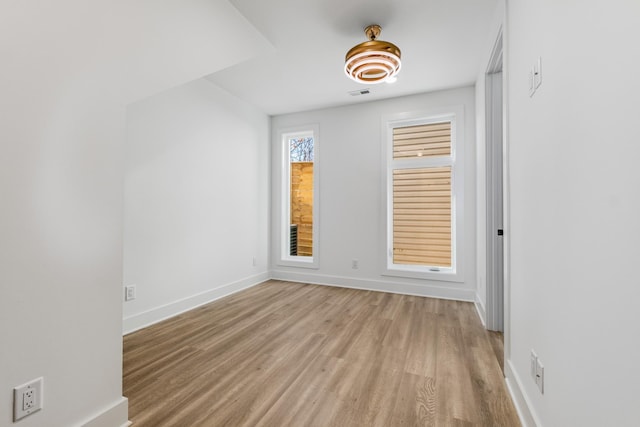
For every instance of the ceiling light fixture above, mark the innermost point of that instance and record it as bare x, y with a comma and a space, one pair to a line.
374, 61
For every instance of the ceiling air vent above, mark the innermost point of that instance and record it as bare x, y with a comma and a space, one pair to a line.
359, 92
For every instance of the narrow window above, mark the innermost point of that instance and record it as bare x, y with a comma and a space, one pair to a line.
299, 212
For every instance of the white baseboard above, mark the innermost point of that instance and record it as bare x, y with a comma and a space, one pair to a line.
426, 290
155, 315
115, 415
482, 312
519, 397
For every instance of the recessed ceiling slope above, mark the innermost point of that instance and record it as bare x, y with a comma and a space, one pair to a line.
440, 40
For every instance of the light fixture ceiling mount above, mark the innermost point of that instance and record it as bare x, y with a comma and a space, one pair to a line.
373, 61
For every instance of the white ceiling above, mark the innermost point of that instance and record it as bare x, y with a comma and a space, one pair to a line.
440, 41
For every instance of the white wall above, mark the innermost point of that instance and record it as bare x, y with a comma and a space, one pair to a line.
351, 194
61, 245
68, 69
196, 200
575, 203
60, 252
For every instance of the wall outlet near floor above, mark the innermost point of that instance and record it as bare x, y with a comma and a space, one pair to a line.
255, 261
27, 399
130, 292
354, 264
536, 370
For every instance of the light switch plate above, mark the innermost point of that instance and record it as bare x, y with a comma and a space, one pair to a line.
533, 364
532, 84
537, 74
540, 376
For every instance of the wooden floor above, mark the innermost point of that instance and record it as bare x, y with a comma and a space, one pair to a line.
287, 354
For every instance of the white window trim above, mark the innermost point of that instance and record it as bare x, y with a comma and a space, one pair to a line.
284, 259
456, 115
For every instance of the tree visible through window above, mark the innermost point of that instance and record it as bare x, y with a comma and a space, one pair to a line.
301, 149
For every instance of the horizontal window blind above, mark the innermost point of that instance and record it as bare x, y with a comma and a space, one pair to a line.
424, 140
422, 233
422, 216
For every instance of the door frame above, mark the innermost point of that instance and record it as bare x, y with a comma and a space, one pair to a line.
495, 167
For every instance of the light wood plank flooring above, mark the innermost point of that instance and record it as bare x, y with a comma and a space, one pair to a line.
287, 354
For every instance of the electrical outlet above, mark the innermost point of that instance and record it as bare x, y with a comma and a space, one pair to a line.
27, 399
255, 261
130, 292
533, 364
354, 264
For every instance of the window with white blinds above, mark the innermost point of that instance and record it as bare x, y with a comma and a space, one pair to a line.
421, 196
425, 140
422, 216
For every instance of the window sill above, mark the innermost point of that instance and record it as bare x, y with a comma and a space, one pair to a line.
447, 275
309, 262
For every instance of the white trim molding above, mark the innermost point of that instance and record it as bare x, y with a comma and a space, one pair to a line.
283, 137
481, 310
520, 400
115, 415
155, 315
456, 160
431, 290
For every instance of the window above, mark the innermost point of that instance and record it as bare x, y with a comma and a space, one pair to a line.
299, 212
424, 197
422, 216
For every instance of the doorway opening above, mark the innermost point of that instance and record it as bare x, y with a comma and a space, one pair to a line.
495, 185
